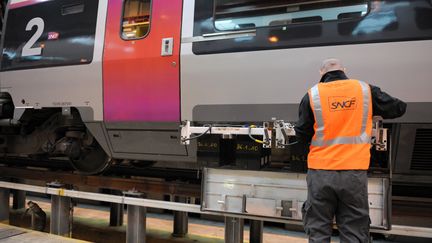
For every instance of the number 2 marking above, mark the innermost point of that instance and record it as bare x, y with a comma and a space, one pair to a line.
28, 50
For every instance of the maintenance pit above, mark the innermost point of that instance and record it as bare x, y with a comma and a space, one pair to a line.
91, 224
91, 220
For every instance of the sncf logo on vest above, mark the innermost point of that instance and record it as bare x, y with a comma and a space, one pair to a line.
342, 103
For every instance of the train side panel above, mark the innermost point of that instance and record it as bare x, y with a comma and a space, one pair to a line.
262, 74
67, 69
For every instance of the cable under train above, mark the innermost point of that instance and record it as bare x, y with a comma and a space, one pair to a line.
103, 81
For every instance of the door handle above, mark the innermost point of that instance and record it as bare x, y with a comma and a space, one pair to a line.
167, 46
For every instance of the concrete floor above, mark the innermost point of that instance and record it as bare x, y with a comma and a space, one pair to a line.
91, 224
11, 234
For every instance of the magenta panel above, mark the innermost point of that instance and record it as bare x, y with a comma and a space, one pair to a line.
140, 84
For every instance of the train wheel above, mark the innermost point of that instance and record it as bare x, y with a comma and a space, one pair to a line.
92, 161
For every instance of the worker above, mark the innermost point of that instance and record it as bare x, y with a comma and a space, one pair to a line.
335, 121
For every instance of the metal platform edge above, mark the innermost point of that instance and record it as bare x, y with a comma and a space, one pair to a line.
404, 230
400, 230
175, 206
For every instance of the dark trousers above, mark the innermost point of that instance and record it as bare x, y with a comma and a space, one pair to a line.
337, 194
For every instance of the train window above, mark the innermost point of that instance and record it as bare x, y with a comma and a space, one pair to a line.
72, 9
245, 14
136, 19
36, 36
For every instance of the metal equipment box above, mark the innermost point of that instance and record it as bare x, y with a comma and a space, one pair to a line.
278, 195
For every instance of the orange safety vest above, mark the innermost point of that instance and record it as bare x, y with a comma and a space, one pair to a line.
343, 125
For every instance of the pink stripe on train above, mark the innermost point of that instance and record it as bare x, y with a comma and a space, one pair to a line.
25, 3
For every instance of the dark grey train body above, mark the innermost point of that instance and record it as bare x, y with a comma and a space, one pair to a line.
238, 62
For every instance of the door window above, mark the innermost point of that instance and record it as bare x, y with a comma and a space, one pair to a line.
136, 19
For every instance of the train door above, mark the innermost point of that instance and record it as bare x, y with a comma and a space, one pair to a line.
141, 61
141, 79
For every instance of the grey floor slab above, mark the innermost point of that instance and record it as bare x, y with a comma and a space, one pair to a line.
11, 234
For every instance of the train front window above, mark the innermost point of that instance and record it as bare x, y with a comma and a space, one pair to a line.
248, 14
136, 19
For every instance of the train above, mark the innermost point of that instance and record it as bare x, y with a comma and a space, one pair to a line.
100, 82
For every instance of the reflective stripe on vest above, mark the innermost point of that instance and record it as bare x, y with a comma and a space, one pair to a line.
319, 133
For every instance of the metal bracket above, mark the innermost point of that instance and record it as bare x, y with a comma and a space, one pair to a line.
55, 184
379, 134
222, 202
283, 131
226, 132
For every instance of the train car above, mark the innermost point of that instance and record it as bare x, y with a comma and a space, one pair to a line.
103, 81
